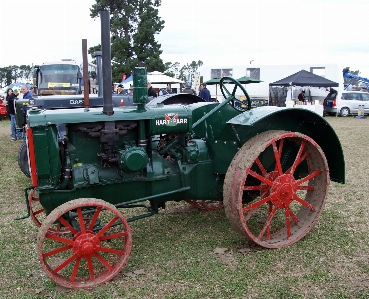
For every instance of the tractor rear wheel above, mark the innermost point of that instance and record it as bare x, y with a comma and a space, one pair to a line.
96, 247
289, 173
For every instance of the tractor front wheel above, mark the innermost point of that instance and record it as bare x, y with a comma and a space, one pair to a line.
23, 159
289, 173
96, 247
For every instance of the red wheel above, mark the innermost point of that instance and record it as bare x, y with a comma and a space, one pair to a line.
276, 187
207, 205
96, 248
37, 212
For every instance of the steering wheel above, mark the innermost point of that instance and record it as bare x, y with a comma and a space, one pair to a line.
231, 97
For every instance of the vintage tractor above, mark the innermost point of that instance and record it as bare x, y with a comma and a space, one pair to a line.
270, 167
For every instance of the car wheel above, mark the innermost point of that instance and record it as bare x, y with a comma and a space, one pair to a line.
345, 111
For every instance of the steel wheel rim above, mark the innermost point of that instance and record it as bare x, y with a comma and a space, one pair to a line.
87, 256
287, 208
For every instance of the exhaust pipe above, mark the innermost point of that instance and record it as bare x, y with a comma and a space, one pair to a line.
106, 62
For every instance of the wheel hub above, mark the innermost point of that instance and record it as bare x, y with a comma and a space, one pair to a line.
283, 190
265, 188
85, 245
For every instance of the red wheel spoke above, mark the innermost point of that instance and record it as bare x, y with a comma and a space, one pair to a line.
293, 216
261, 167
67, 225
277, 158
106, 227
94, 218
113, 236
249, 214
59, 239
298, 158
270, 226
308, 177
257, 187
75, 270
38, 212
111, 250
90, 268
304, 203
260, 178
288, 224
56, 251
268, 222
65, 263
281, 142
256, 204
104, 262
310, 188
81, 220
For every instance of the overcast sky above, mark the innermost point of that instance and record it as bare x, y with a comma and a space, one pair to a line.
222, 33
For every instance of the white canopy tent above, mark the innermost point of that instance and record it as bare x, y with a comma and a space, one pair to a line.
155, 78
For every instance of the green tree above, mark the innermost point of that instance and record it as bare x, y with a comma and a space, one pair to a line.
172, 69
189, 69
14, 73
133, 24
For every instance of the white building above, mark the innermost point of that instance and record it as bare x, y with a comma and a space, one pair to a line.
269, 74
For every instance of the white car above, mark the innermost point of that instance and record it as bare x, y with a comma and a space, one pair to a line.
345, 102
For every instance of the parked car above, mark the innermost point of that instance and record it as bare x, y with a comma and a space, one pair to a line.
344, 103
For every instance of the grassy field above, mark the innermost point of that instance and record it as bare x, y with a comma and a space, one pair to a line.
186, 253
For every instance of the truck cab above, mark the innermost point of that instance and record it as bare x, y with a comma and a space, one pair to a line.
58, 78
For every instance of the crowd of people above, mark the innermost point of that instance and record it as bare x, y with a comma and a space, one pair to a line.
12, 94
204, 93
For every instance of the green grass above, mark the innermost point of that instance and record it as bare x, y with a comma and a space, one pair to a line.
173, 252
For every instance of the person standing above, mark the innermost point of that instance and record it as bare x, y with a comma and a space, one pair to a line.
168, 90
130, 89
150, 91
8, 93
11, 104
301, 97
204, 93
187, 89
120, 89
26, 93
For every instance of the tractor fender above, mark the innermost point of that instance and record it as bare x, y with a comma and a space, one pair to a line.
261, 119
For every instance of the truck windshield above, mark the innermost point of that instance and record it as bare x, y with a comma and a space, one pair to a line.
59, 73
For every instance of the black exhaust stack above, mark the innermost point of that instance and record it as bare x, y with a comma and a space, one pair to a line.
106, 62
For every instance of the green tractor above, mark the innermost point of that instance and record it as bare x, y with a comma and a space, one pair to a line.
269, 167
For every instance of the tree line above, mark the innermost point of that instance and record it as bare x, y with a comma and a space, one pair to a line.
14, 73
